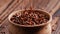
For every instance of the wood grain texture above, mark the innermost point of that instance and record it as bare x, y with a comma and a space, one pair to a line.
52, 11
4, 5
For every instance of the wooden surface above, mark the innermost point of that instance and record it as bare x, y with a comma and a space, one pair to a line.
13, 5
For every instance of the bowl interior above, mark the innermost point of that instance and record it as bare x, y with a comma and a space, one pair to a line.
20, 11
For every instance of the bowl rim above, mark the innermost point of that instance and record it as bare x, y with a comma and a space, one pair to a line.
50, 19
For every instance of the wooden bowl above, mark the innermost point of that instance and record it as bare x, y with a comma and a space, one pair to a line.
20, 11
